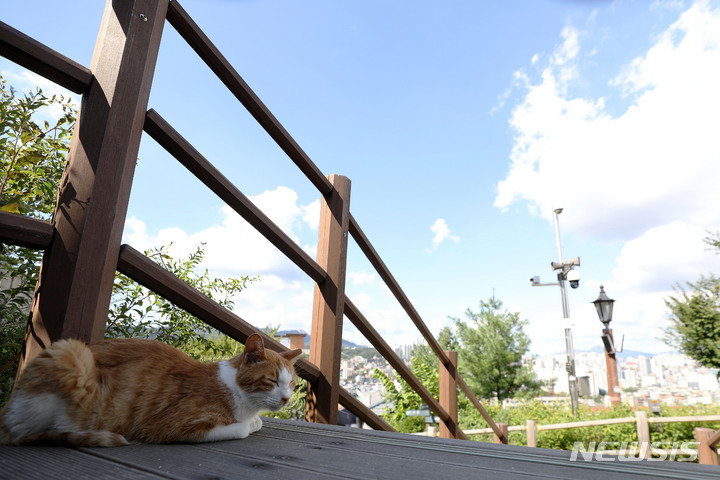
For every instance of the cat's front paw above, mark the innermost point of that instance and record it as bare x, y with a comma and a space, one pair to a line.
255, 424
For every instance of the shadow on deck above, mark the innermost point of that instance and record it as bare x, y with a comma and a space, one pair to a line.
287, 449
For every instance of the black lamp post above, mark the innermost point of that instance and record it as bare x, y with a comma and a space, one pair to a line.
604, 307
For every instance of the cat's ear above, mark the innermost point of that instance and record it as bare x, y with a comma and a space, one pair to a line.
254, 349
291, 355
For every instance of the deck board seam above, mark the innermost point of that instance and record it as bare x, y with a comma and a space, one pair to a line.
100, 454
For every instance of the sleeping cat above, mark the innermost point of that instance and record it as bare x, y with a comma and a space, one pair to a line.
114, 392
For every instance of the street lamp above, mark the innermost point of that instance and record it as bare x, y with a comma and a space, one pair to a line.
604, 307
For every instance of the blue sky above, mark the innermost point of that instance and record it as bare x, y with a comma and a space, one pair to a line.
461, 125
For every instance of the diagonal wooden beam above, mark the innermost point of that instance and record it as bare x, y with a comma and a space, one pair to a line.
43, 60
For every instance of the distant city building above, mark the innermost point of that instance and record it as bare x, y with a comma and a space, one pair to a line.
670, 377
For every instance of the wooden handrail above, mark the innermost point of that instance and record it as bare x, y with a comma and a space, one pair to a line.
361, 323
713, 441
178, 147
362, 412
478, 406
25, 231
32, 233
607, 421
198, 41
382, 270
43, 60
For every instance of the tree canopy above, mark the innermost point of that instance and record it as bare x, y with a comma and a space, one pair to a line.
694, 318
491, 348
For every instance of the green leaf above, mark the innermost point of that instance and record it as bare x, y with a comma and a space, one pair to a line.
12, 208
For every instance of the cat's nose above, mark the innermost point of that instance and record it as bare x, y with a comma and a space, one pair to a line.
285, 400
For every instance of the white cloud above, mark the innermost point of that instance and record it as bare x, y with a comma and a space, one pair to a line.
663, 256
442, 232
655, 163
645, 177
283, 296
362, 278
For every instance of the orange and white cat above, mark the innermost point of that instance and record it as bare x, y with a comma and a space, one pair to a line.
115, 392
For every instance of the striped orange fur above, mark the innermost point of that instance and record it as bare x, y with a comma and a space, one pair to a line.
115, 392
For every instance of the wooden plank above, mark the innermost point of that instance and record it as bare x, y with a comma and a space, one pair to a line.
329, 303
449, 396
503, 437
198, 41
25, 231
349, 451
249, 458
714, 439
707, 455
33, 55
643, 433
190, 158
291, 449
138, 267
589, 423
43, 463
362, 324
531, 429
690, 418
76, 276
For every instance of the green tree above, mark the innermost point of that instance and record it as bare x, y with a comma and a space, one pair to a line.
694, 327
32, 159
138, 312
491, 346
694, 318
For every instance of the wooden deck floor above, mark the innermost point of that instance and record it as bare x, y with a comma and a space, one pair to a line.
285, 449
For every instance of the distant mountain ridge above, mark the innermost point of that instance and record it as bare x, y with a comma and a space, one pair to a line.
624, 354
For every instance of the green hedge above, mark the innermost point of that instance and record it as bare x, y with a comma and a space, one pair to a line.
564, 439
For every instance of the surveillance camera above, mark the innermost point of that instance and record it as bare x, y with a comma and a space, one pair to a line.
574, 278
535, 280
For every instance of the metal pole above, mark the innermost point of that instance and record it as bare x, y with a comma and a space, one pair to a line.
572, 378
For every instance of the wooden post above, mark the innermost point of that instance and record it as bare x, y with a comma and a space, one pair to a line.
73, 292
643, 433
612, 374
504, 429
707, 454
448, 395
329, 303
531, 430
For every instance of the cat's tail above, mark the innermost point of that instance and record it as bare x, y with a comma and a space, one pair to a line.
73, 367
62, 374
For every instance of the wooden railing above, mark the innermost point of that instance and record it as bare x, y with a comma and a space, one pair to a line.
82, 247
707, 438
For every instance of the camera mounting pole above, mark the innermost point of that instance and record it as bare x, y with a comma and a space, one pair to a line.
566, 272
